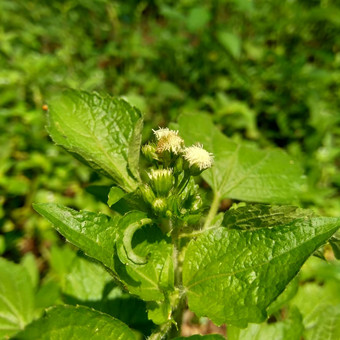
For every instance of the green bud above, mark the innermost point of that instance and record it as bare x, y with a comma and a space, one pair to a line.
161, 181
159, 206
197, 203
147, 193
149, 151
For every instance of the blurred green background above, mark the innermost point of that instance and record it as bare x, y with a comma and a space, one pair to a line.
267, 71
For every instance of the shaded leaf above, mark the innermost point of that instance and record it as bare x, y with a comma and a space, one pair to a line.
288, 329
115, 195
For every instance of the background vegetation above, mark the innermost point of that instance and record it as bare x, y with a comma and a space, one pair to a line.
268, 72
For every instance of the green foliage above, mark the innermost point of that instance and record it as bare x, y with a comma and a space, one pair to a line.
74, 122
150, 252
68, 322
243, 172
264, 74
16, 298
290, 328
268, 257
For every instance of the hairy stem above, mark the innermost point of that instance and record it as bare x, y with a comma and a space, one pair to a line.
213, 210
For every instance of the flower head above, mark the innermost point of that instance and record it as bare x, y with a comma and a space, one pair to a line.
161, 132
198, 158
168, 140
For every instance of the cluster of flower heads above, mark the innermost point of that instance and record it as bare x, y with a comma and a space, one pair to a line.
170, 187
170, 141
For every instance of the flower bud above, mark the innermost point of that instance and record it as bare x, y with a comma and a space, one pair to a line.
197, 159
147, 193
149, 151
159, 206
161, 181
196, 203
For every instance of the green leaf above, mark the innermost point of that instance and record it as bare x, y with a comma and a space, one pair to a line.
115, 195
197, 19
87, 283
288, 329
96, 235
255, 216
103, 132
324, 323
240, 171
28, 261
159, 312
233, 275
230, 42
335, 243
85, 280
68, 322
202, 337
320, 307
16, 298
93, 233
285, 296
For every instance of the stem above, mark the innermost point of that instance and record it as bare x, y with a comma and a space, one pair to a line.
183, 184
179, 303
161, 332
213, 210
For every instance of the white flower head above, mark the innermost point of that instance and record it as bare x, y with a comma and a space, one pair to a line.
198, 157
168, 140
162, 132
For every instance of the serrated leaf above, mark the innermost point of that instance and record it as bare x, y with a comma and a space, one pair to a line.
16, 298
233, 275
103, 132
96, 235
240, 171
74, 323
